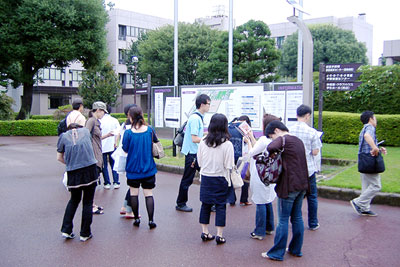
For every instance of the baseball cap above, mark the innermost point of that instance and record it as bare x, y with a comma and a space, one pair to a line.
77, 101
100, 105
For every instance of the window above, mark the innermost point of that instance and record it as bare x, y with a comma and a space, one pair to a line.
279, 41
122, 79
75, 75
121, 56
121, 32
129, 79
51, 74
56, 100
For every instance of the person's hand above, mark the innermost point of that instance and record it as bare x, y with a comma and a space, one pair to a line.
383, 150
246, 139
375, 151
110, 134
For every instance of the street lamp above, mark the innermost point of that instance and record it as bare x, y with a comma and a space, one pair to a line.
134, 61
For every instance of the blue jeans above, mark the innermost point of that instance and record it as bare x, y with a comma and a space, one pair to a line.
312, 203
289, 207
106, 157
264, 219
244, 196
220, 214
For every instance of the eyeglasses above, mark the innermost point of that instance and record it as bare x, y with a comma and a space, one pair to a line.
209, 103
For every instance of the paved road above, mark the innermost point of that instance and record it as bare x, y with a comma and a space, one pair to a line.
33, 202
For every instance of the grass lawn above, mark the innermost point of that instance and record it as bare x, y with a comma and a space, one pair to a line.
348, 178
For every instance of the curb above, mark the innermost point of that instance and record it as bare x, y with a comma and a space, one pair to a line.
344, 194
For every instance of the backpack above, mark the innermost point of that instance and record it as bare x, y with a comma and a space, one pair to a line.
62, 126
180, 133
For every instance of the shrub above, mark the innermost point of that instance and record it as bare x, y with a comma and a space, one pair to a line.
42, 117
29, 127
6, 112
344, 128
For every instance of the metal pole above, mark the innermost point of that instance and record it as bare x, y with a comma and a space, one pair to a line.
300, 48
320, 95
134, 87
175, 62
230, 50
149, 98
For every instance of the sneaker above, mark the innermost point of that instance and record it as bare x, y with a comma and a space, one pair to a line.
314, 228
254, 236
84, 239
269, 232
68, 236
184, 208
369, 213
213, 208
245, 204
264, 255
116, 186
107, 186
355, 207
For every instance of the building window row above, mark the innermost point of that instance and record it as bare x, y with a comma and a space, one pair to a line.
130, 31
75, 75
51, 74
125, 78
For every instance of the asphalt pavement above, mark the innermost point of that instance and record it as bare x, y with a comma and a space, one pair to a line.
33, 200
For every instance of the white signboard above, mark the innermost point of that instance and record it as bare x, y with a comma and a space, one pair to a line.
231, 101
274, 103
293, 100
158, 109
172, 112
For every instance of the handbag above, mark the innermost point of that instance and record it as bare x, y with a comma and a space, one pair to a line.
368, 163
236, 179
119, 157
157, 148
269, 167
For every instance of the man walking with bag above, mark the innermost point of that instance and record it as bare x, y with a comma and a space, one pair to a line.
193, 134
371, 182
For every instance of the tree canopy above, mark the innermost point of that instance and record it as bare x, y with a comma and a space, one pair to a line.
36, 34
100, 84
331, 45
255, 57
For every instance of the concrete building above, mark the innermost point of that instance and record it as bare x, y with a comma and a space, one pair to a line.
60, 86
391, 51
218, 21
362, 30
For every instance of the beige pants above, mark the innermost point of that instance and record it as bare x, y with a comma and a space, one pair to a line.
371, 184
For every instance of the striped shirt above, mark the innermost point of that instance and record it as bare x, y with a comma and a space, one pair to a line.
311, 141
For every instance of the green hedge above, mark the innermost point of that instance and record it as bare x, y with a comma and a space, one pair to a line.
344, 128
42, 117
29, 127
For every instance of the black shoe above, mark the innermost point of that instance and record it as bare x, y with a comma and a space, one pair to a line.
184, 208
136, 222
152, 225
220, 240
369, 213
207, 237
213, 208
355, 207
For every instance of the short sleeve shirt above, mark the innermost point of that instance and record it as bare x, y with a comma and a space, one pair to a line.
93, 125
194, 126
369, 129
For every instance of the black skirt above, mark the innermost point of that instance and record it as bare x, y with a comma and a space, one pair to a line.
82, 177
213, 189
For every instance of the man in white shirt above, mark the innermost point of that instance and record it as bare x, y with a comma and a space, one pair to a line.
108, 145
312, 145
75, 116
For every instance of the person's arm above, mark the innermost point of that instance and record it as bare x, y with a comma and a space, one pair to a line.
199, 156
107, 135
259, 146
60, 157
126, 141
275, 146
229, 160
195, 139
371, 143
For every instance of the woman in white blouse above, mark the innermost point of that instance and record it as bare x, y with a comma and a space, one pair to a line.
262, 195
215, 157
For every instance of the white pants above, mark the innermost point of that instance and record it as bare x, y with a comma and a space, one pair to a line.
371, 184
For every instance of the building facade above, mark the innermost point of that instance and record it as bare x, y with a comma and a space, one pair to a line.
362, 30
391, 52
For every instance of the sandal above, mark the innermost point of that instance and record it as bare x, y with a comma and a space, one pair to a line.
220, 240
207, 237
98, 211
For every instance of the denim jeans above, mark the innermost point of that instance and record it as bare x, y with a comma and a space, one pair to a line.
87, 215
264, 219
244, 196
106, 157
312, 203
187, 179
220, 214
289, 207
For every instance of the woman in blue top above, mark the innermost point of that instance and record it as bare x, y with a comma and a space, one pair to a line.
140, 165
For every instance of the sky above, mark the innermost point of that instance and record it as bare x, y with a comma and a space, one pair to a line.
380, 14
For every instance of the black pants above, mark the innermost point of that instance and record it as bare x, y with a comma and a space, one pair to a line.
187, 179
73, 203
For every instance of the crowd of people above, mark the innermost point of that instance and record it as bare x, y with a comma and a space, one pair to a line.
87, 147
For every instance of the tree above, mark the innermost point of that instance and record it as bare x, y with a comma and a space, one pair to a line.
255, 57
155, 52
6, 102
331, 45
36, 34
99, 84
